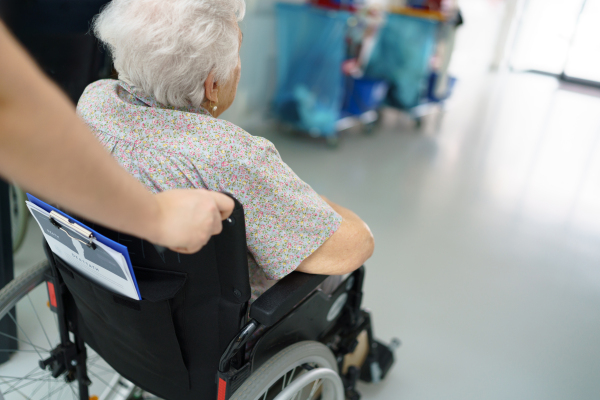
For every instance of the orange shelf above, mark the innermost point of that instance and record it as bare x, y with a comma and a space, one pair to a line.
413, 12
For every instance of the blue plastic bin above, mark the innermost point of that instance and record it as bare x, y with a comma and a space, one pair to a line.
364, 95
432, 96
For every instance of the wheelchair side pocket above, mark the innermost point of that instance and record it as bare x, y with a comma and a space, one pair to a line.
137, 338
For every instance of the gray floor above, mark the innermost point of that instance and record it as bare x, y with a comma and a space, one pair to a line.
487, 241
487, 228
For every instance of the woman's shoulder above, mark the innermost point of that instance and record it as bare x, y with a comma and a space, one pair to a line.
101, 86
223, 143
97, 92
233, 135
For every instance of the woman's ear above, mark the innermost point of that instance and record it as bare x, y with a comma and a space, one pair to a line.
211, 88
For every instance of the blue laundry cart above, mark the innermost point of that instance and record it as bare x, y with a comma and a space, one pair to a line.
310, 84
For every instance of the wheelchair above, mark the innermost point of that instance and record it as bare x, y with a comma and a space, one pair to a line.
194, 335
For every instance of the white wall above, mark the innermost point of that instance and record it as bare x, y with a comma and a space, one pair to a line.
259, 64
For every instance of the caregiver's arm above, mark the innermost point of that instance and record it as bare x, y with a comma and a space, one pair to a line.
46, 149
345, 251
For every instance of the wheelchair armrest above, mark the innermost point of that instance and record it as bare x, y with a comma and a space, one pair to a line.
280, 299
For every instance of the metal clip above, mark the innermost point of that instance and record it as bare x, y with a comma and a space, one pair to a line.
54, 216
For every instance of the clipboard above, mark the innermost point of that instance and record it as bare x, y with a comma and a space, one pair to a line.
64, 222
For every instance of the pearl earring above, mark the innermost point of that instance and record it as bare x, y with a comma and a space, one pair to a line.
215, 109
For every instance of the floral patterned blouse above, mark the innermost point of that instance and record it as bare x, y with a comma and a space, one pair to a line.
174, 148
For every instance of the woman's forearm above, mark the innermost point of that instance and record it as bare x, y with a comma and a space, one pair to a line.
48, 150
346, 250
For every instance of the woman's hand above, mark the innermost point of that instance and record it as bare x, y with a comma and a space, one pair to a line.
187, 218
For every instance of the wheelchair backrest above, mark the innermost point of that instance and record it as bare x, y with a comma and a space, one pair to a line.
170, 342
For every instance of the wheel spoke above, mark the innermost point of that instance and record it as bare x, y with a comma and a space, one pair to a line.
93, 359
112, 389
26, 342
16, 351
73, 392
51, 391
99, 378
39, 320
283, 383
316, 385
30, 375
297, 394
19, 378
41, 385
34, 373
292, 375
37, 389
24, 333
49, 396
104, 369
290, 381
62, 390
24, 385
105, 372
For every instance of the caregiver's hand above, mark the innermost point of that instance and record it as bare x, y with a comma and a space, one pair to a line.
187, 218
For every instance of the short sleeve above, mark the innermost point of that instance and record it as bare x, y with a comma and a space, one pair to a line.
286, 220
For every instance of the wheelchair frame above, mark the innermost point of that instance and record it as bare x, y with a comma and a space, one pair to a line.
293, 298
334, 320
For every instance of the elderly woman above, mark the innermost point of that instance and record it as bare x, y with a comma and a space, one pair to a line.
179, 67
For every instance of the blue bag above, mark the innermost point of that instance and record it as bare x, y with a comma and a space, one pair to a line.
401, 57
311, 50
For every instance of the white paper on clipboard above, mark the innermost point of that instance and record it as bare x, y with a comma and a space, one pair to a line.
102, 265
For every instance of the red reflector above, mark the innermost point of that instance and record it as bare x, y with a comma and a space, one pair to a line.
52, 294
222, 389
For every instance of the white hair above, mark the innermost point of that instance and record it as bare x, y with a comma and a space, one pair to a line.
167, 48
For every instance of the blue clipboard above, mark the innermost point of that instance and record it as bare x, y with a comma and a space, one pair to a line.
100, 238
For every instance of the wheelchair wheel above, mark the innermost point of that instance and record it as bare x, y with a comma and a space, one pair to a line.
19, 215
304, 371
25, 301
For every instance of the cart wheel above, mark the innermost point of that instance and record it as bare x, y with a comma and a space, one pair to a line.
369, 128
419, 123
333, 141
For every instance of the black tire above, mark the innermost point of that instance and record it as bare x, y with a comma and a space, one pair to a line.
16, 289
